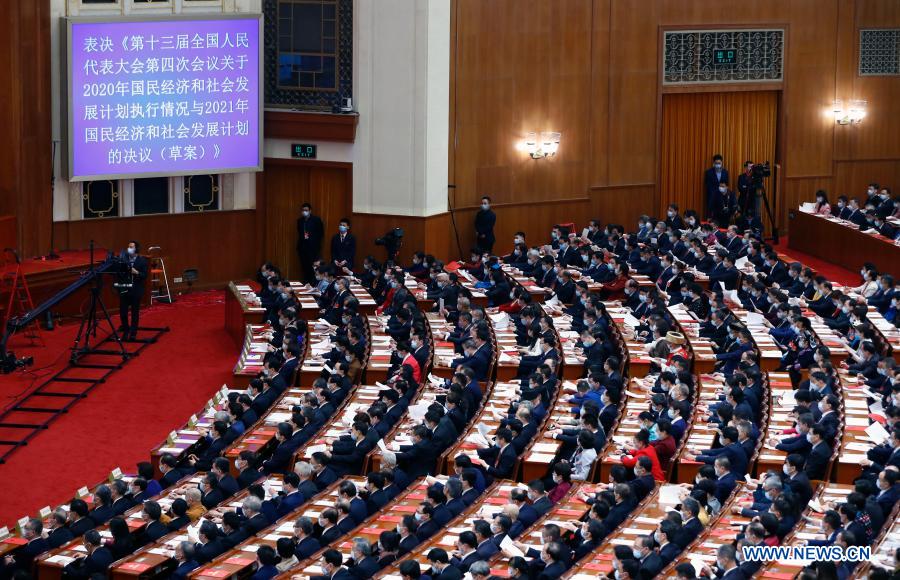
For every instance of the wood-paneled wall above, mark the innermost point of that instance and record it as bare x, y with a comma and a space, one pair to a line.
587, 68
221, 244
591, 70
25, 134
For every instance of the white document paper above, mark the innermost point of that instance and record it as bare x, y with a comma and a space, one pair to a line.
756, 319
507, 546
877, 432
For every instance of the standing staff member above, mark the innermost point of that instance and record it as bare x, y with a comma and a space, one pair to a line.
310, 233
130, 298
711, 180
484, 226
343, 247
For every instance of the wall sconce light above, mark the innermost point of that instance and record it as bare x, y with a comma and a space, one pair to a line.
852, 115
540, 147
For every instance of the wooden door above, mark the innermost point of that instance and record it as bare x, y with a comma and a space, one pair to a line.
289, 184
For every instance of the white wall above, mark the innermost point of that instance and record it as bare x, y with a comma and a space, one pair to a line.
401, 84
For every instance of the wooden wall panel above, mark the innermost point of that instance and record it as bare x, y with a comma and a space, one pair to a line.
622, 204
287, 185
535, 219
522, 65
796, 190
624, 114
852, 177
25, 122
218, 243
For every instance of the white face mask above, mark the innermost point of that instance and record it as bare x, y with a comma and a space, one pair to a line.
485, 206
131, 251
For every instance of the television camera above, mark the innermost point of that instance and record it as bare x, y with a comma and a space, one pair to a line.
392, 242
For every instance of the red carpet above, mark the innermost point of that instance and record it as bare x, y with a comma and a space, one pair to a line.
122, 419
824, 268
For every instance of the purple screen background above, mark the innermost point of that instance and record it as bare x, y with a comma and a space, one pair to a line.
174, 108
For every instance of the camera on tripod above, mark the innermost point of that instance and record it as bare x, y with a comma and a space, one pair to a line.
760, 171
124, 279
392, 241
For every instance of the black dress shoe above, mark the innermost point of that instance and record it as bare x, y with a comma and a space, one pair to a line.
132, 336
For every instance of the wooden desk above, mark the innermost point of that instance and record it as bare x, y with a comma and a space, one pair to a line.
806, 529
241, 309
489, 503
496, 404
240, 561
722, 529
833, 241
384, 520
854, 443
185, 440
51, 563
644, 520
261, 437
253, 351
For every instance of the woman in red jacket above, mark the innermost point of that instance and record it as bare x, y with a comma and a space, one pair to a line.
641, 448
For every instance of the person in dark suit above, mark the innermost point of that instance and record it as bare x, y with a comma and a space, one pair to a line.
329, 531
817, 461
362, 565
692, 526
466, 552
554, 555
179, 515
500, 459
624, 503
332, 568
343, 246
649, 560
888, 490
247, 472
25, 555
233, 531
306, 543
310, 233
130, 298
441, 568
154, 529
79, 517
669, 548
186, 556
726, 565
284, 452
210, 545
60, 534
407, 529
417, 459
96, 562
711, 180
485, 219
292, 498
323, 474
266, 559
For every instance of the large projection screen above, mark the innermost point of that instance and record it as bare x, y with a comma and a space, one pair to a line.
160, 96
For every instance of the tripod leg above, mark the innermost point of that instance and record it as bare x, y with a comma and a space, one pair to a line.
115, 333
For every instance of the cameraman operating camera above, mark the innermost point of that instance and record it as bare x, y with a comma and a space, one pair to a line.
130, 297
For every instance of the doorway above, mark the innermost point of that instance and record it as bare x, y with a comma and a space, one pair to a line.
288, 184
740, 126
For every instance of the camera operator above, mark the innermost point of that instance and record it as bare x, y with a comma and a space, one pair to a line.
746, 191
130, 297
